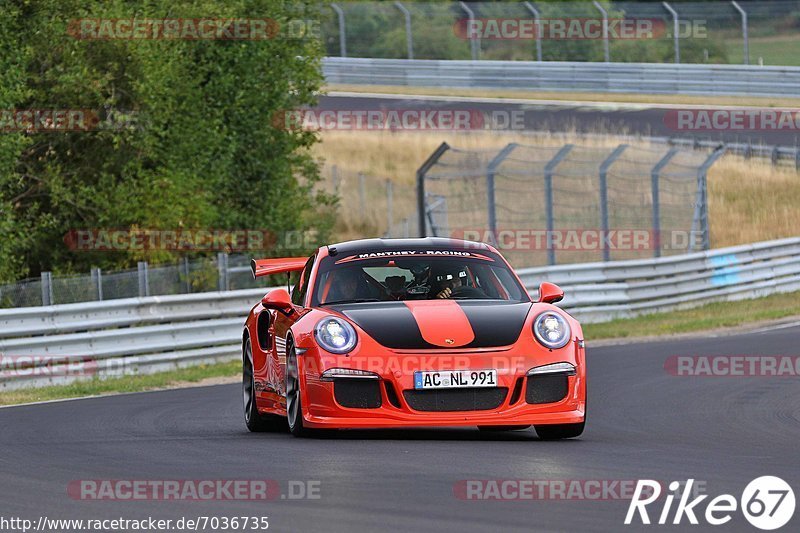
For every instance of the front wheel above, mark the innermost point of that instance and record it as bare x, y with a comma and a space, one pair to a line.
255, 421
294, 407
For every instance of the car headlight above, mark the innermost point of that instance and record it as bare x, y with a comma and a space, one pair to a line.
335, 335
551, 330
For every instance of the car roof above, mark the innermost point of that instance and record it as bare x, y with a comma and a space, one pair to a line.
378, 245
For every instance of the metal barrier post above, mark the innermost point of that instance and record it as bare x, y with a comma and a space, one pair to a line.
654, 178
144, 279
537, 25
744, 31
491, 206
675, 30
222, 270
604, 166
185, 268
474, 43
409, 38
421, 171
606, 52
97, 281
549, 170
47, 288
342, 28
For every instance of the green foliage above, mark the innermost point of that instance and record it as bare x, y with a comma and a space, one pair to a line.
200, 149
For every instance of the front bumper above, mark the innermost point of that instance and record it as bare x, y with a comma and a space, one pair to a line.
391, 400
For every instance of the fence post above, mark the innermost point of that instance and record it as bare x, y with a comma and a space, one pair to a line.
185, 268
421, 171
549, 170
389, 207
744, 31
474, 42
342, 28
604, 13
604, 166
144, 279
700, 219
335, 178
97, 281
537, 25
654, 178
362, 193
47, 288
222, 271
675, 30
409, 38
491, 205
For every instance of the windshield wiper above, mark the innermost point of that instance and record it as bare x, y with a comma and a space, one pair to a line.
352, 301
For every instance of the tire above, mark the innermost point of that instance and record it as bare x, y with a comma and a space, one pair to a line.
502, 428
294, 407
255, 421
560, 431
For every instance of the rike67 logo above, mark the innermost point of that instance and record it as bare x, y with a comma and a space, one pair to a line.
767, 502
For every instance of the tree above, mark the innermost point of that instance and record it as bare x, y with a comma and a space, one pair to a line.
197, 147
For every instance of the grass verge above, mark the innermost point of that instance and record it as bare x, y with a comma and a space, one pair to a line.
708, 317
627, 98
145, 382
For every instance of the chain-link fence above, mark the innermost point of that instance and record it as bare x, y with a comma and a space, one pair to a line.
686, 32
371, 206
568, 203
225, 272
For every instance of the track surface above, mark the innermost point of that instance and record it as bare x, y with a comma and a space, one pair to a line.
643, 423
630, 119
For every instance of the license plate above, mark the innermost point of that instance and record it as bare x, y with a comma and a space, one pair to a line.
454, 379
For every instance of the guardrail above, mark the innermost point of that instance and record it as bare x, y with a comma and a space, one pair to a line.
651, 78
60, 344
64, 343
597, 292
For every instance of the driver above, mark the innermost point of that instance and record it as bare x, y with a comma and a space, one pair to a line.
349, 284
449, 280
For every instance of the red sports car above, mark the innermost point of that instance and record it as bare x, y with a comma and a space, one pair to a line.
384, 333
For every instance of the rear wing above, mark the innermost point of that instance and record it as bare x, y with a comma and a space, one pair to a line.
279, 265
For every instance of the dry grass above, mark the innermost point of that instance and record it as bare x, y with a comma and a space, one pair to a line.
748, 200
574, 96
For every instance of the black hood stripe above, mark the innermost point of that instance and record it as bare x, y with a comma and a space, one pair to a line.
393, 325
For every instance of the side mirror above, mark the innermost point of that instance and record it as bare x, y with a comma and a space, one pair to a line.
277, 299
550, 293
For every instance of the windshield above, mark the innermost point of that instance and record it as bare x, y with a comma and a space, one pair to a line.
415, 275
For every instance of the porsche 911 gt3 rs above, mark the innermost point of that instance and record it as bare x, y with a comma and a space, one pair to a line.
381, 333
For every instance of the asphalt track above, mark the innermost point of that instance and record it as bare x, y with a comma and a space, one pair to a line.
589, 117
643, 423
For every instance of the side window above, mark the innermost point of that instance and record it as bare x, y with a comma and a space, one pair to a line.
300, 290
